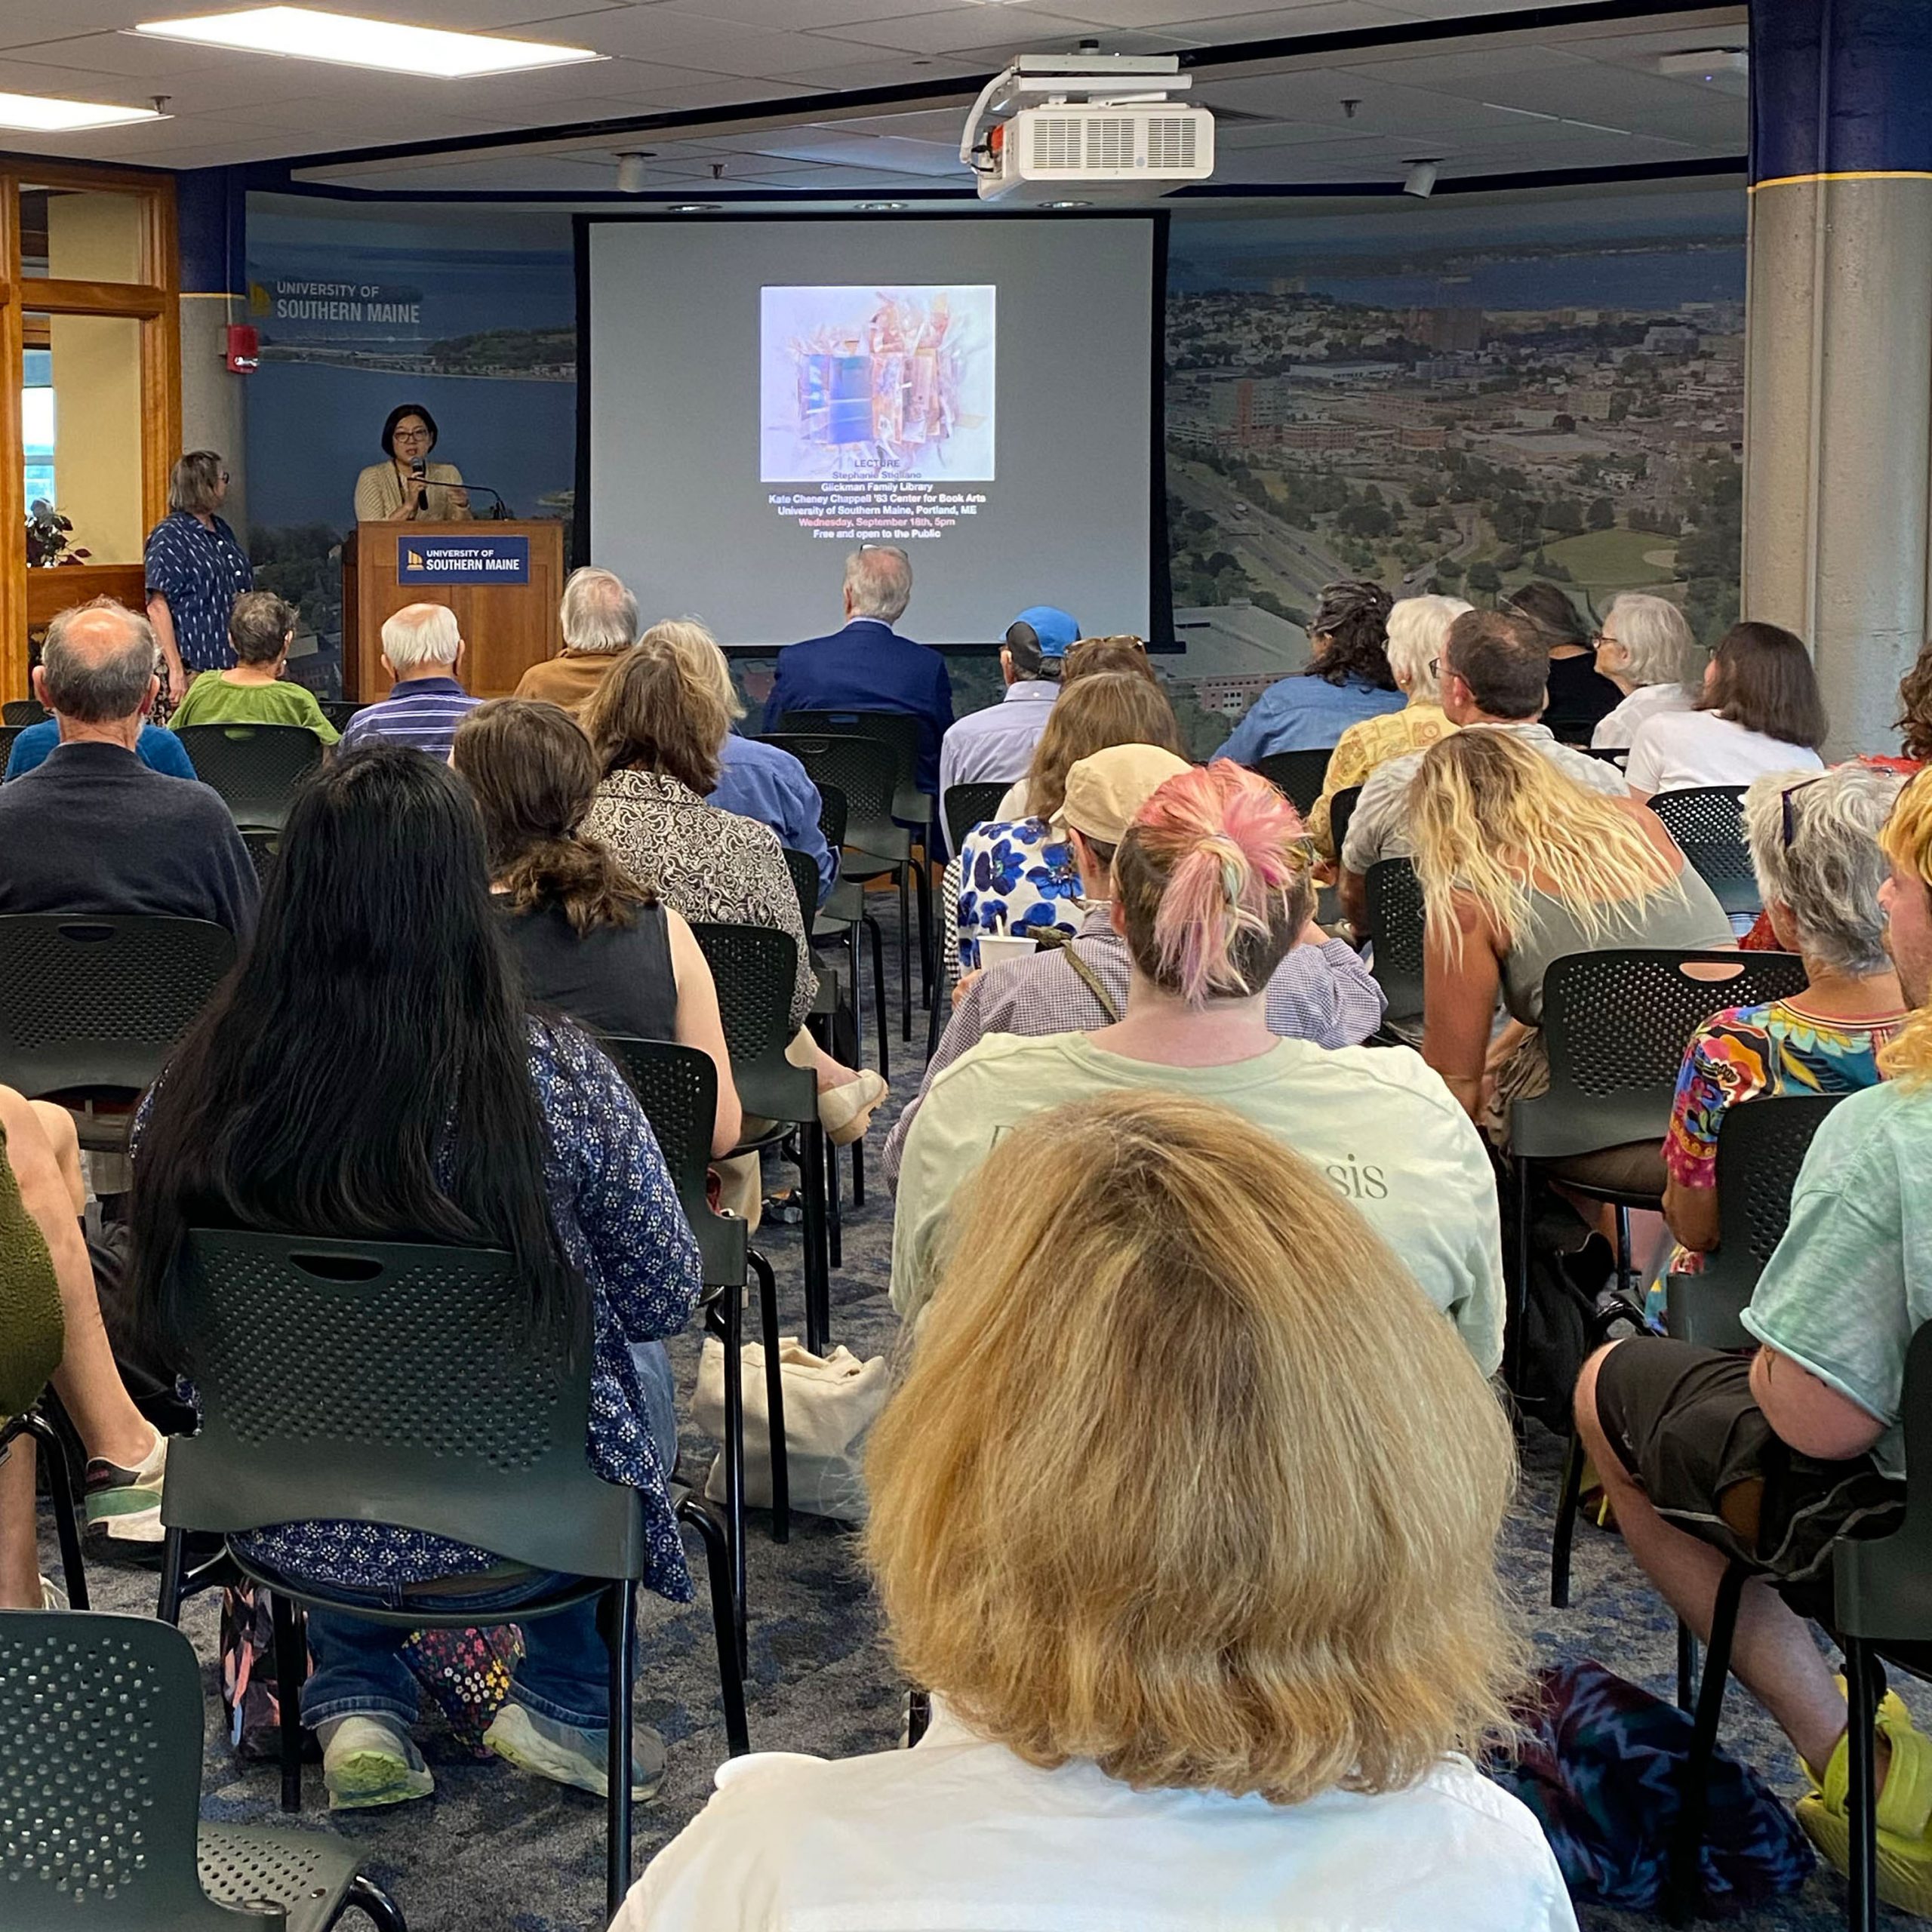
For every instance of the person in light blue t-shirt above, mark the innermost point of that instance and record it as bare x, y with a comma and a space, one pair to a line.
1708, 1458
158, 750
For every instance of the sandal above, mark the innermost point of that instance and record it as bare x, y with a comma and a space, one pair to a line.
1905, 1809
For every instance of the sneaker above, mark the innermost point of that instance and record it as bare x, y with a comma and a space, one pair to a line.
568, 1754
125, 1504
369, 1761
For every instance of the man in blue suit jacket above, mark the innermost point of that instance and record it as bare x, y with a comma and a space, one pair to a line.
868, 666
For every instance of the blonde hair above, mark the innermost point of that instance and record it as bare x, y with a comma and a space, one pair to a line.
1090, 715
700, 650
1212, 882
1489, 817
1148, 1495
1907, 839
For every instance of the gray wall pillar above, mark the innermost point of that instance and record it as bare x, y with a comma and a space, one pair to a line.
210, 204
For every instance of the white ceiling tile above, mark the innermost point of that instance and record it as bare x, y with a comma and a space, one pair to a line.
806, 16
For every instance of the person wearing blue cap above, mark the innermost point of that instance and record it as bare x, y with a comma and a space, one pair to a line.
996, 745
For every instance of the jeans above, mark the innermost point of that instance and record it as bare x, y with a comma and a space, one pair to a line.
564, 1673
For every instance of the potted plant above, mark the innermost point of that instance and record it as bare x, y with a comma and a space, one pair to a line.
48, 537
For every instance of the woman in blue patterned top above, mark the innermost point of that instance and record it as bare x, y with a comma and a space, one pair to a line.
195, 569
369, 1071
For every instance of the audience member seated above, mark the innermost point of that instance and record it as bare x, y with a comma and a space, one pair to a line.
1320, 991
257, 691
1418, 629
1915, 719
1494, 672
422, 648
868, 665
1760, 711
597, 616
92, 828
754, 779
1708, 1458
156, 748
1018, 875
1093, 655
1348, 679
1646, 650
1211, 889
591, 942
476, 1123
1814, 848
1580, 694
1519, 867
1205, 1595
655, 728
995, 745
46, 1287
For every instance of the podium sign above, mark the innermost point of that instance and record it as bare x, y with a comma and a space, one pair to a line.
463, 560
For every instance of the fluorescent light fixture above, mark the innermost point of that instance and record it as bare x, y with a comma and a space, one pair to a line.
42, 114
349, 40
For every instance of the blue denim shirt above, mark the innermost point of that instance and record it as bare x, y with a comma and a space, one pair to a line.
766, 782
1305, 714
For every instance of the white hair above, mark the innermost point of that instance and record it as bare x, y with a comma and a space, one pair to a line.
1418, 630
1654, 637
878, 580
598, 613
421, 634
1830, 873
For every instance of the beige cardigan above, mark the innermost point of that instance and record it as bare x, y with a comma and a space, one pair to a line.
379, 493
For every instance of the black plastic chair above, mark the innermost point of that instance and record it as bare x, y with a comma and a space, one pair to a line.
91, 1007
826, 1009
100, 1783
968, 805
263, 847
34, 1422
339, 710
1297, 775
20, 712
402, 1383
1395, 925
753, 967
677, 1087
844, 914
1708, 824
8, 733
1341, 809
255, 767
865, 770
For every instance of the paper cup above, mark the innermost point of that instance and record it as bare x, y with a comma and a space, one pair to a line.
995, 948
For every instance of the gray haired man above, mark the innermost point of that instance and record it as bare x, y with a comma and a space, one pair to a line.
599, 620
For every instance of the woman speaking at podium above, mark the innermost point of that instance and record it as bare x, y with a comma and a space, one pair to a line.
408, 485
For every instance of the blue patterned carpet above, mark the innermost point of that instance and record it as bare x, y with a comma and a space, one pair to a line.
496, 1851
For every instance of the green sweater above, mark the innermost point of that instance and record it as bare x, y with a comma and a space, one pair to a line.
212, 699
32, 1333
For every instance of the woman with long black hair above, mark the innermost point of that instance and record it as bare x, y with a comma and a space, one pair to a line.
369, 1071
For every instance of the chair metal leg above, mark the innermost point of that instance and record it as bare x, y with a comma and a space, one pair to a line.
918, 1715
834, 1211
817, 1269
695, 1511
858, 1003
617, 1613
774, 1399
60, 1494
1569, 1494
1626, 1268
291, 1653
877, 938
1683, 1890
375, 1905
1864, 1684
733, 1303
922, 880
858, 1172
1518, 1290
904, 954
173, 1560
1687, 1666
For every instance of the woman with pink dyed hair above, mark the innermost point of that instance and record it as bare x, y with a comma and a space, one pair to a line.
1211, 887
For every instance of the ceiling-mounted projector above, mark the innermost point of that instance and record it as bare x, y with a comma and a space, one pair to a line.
1101, 123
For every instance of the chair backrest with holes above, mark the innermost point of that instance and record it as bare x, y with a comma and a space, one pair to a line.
971, 805
898, 729
1616, 1024
8, 733
263, 844
100, 1777
1297, 775
1395, 924
255, 767
20, 712
832, 813
1762, 1145
389, 1382
1708, 824
754, 968
1882, 1584
339, 710
99, 1003
865, 771
1341, 809
805, 883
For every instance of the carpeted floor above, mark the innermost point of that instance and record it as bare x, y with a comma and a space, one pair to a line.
496, 1851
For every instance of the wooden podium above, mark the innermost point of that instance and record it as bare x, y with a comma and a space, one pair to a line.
501, 579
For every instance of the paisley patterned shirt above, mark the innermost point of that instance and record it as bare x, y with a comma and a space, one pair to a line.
617, 1216
1016, 876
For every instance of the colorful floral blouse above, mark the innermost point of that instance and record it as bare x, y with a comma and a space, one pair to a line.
1750, 1052
1015, 875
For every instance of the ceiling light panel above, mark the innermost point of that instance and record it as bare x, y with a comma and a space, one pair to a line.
350, 40
42, 114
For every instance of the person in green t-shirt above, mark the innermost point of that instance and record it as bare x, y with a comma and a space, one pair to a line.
261, 627
1708, 1458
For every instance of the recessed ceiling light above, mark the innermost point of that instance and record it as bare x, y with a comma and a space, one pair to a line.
308, 33
694, 208
42, 114
879, 207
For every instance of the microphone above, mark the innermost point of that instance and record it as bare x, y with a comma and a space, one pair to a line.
419, 472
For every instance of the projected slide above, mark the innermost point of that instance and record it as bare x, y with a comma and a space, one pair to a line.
867, 382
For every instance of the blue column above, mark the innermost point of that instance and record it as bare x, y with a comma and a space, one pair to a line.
210, 218
1838, 354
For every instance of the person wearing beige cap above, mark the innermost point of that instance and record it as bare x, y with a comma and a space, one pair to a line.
1321, 992
1212, 891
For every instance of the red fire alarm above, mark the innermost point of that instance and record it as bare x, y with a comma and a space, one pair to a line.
244, 348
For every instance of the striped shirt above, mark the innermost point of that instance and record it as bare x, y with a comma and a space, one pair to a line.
1322, 994
421, 711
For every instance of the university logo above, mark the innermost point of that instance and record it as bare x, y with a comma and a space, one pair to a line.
463, 560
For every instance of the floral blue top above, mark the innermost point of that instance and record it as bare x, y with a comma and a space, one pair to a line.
1015, 876
617, 1215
